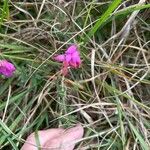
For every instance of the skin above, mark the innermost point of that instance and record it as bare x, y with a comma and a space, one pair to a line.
55, 139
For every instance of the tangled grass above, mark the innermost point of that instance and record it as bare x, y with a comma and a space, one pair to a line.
109, 95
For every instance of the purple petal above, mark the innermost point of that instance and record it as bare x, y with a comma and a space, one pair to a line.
76, 54
71, 49
78, 61
68, 58
75, 61
59, 58
6, 68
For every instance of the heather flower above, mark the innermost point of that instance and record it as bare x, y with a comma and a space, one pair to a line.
6, 68
71, 59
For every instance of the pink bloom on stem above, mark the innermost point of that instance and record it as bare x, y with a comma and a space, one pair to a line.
6, 68
71, 58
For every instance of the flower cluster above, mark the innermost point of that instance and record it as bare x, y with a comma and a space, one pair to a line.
71, 58
6, 68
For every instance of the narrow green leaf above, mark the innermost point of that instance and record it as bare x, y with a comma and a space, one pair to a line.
104, 17
141, 140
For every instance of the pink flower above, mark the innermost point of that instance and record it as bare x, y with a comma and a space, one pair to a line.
6, 68
71, 58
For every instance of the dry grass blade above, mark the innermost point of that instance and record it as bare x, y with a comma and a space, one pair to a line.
109, 94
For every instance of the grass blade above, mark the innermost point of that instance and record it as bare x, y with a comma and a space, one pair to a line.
104, 17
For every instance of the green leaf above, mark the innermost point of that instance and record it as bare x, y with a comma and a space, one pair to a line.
104, 17
139, 137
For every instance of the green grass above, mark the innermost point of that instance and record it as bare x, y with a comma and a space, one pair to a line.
4, 11
109, 94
